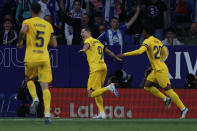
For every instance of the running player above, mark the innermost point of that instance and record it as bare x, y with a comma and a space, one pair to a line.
94, 50
156, 53
39, 34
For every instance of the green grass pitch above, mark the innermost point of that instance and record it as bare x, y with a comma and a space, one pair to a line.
31, 124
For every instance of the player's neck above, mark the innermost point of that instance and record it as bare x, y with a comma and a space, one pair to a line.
35, 15
87, 37
147, 36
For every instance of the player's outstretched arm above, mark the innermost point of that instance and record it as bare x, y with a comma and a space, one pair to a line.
53, 41
85, 48
21, 35
110, 53
139, 51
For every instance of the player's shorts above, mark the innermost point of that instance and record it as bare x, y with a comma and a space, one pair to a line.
40, 69
159, 77
96, 80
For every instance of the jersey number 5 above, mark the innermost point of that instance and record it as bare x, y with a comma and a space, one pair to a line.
40, 38
100, 52
158, 51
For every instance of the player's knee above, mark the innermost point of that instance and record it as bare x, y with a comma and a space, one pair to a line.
168, 87
30, 83
44, 85
90, 93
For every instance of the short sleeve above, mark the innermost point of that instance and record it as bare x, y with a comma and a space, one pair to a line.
51, 29
25, 22
146, 43
87, 41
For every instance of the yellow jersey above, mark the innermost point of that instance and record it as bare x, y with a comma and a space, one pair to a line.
95, 55
37, 39
154, 51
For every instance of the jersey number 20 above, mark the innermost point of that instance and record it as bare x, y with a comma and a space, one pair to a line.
40, 38
158, 51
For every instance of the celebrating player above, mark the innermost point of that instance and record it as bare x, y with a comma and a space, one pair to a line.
94, 50
156, 53
39, 34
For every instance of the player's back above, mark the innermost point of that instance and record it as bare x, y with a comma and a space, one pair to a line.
37, 39
95, 55
154, 53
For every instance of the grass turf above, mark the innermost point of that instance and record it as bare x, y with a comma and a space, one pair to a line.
8, 124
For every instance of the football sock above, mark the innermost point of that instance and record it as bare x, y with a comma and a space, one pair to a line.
175, 98
153, 90
32, 89
47, 100
99, 103
99, 92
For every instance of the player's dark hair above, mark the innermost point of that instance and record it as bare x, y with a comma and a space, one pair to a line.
86, 28
35, 8
149, 29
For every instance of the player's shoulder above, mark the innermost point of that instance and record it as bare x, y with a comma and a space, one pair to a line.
46, 23
157, 41
27, 21
146, 42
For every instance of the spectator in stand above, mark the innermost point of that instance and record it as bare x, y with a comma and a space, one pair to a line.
15, 24
49, 7
76, 24
111, 9
67, 5
171, 37
97, 5
59, 34
8, 36
154, 14
192, 39
7, 7
76, 12
98, 20
102, 28
115, 35
137, 27
23, 10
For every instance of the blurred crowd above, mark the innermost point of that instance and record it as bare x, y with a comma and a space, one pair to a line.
113, 22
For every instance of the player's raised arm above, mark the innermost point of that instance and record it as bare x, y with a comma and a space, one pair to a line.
139, 51
53, 41
21, 35
110, 53
132, 20
85, 48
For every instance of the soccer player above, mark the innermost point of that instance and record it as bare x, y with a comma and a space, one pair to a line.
39, 34
156, 53
94, 50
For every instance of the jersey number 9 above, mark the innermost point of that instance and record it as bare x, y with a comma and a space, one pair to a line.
100, 52
40, 38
